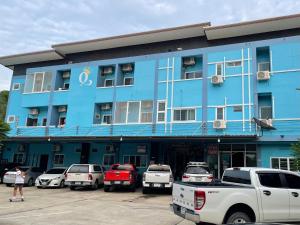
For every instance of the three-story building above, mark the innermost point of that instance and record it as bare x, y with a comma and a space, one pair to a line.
222, 94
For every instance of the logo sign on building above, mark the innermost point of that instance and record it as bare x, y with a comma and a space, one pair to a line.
84, 78
212, 149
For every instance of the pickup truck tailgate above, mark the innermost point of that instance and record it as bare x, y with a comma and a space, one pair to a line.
156, 177
77, 177
117, 175
183, 195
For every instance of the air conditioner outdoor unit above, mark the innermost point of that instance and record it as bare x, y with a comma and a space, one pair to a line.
56, 148
106, 106
189, 61
66, 74
219, 124
97, 116
267, 121
127, 67
217, 79
34, 111
263, 75
62, 109
107, 70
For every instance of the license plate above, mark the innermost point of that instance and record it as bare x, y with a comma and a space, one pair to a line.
182, 210
77, 182
156, 185
117, 182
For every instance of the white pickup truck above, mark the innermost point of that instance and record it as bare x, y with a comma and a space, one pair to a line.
157, 177
244, 195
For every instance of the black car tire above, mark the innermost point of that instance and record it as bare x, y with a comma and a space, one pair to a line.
238, 217
8, 185
96, 185
30, 182
145, 191
106, 188
62, 184
72, 188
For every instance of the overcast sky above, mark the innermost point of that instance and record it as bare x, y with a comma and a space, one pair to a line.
34, 25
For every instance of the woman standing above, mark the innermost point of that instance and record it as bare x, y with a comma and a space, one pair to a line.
19, 182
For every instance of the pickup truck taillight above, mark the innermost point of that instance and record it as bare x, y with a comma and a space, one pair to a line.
130, 176
90, 176
210, 177
171, 178
185, 176
199, 199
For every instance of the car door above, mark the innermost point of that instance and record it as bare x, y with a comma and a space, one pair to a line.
293, 183
274, 197
99, 172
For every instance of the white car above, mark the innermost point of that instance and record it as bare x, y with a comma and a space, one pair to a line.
54, 177
31, 173
84, 175
157, 177
197, 172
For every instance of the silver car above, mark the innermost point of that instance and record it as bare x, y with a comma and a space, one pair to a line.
31, 173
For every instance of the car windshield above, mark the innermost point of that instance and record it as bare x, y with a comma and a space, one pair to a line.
197, 170
21, 168
159, 168
55, 171
79, 169
121, 167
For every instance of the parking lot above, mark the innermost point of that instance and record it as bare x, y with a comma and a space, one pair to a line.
62, 206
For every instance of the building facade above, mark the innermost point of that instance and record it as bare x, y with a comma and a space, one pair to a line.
221, 94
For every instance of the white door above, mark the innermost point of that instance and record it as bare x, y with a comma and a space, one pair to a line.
274, 197
293, 182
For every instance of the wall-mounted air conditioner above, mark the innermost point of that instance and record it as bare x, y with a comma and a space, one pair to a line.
62, 109
263, 75
219, 124
34, 111
106, 106
189, 61
127, 67
217, 79
267, 121
66, 75
107, 70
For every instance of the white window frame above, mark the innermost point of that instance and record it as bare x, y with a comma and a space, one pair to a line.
11, 121
35, 80
193, 72
139, 119
279, 158
63, 155
263, 107
114, 155
16, 89
104, 123
62, 125
161, 101
109, 80
234, 62
216, 112
132, 78
140, 116
222, 66
144, 155
184, 121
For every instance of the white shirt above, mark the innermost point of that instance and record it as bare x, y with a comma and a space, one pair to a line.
19, 177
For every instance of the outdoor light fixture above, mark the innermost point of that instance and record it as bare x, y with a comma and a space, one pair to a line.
219, 140
121, 138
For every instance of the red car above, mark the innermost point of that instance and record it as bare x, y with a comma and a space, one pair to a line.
121, 175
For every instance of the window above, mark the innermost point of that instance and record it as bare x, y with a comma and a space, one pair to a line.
11, 119
44, 122
161, 111
146, 111
184, 115
219, 69
58, 159
32, 122
220, 113
106, 119
18, 158
283, 163
263, 66
266, 112
62, 121
97, 169
133, 112
293, 181
192, 75
137, 160
234, 64
270, 180
121, 112
108, 83
38, 82
66, 86
237, 108
237, 176
16, 86
108, 159
128, 81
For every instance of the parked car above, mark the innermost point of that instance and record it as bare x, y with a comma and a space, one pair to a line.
4, 167
54, 177
244, 195
121, 175
84, 175
31, 173
157, 177
197, 172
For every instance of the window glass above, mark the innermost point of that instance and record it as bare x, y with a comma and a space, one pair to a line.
270, 180
266, 112
184, 114
97, 168
293, 181
161, 117
237, 176
220, 113
146, 111
18, 158
79, 169
121, 111
133, 112
234, 64
29, 83
122, 167
58, 159
161, 106
264, 66
197, 170
47, 81
38, 82
108, 159
176, 115
56, 171
275, 163
160, 168
219, 69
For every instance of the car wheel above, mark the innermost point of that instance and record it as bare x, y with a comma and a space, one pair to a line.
38, 187
145, 190
30, 182
132, 188
62, 184
8, 185
238, 218
72, 188
106, 188
95, 186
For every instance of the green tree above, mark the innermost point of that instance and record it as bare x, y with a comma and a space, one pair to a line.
4, 129
3, 104
296, 149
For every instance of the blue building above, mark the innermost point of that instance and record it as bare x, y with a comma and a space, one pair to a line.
222, 94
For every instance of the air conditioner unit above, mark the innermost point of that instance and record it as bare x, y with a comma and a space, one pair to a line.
217, 79
267, 121
106, 106
66, 74
127, 67
219, 124
62, 109
56, 148
263, 75
189, 61
107, 70
97, 116
34, 111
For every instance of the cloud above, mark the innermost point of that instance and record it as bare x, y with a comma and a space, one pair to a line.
35, 25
